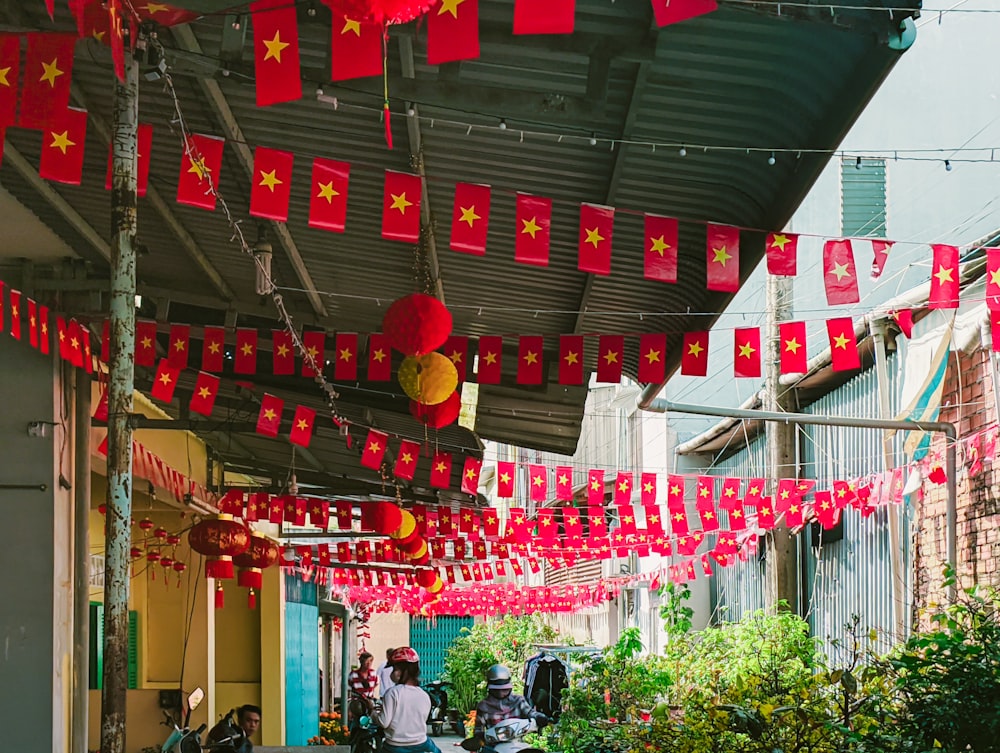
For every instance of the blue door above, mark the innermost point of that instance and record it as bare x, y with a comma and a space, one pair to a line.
431, 639
302, 688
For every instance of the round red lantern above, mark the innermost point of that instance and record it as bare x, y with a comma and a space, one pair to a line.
146, 525
383, 11
440, 415
417, 324
426, 577
436, 586
260, 555
411, 546
220, 539
407, 527
387, 517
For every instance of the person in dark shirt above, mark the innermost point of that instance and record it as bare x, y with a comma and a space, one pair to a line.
247, 724
501, 703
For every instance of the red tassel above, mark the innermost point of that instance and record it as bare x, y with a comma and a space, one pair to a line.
388, 124
252, 599
220, 597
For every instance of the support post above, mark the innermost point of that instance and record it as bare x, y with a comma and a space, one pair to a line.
81, 562
120, 387
782, 560
345, 666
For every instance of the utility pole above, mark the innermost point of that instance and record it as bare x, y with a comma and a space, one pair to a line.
782, 560
120, 386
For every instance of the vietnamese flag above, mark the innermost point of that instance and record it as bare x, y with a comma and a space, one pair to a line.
571, 359
302, 426
328, 195
32, 323
944, 278
471, 215
572, 526
755, 490
355, 47
75, 351
623, 488
48, 71
661, 242
533, 220
145, 343
595, 486
441, 470
406, 460
171, 15
880, 254
470, 475
453, 32
456, 348
314, 342
491, 526
746, 352
10, 66
271, 187
652, 358
694, 354
844, 354
283, 353
544, 16
506, 475
62, 147
345, 365
538, 482
276, 52
722, 251
375, 446
490, 367
144, 149
379, 358
245, 360
596, 227
530, 369
401, 207
839, 273
269, 418
610, 355
213, 348
674, 11
792, 337
904, 318
564, 483
206, 388
647, 486
179, 345
993, 279
164, 382
826, 512
43, 323
781, 250
201, 161
547, 527
730, 493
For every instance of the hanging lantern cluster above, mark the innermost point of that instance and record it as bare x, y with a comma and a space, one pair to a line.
260, 555
151, 549
219, 539
389, 519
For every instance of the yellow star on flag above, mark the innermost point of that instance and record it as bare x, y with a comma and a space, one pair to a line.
247, 349
204, 392
50, 72
943, 275
374, 447
3, 76
400, 202
406, 458
491, 358
378, 355
530, 357
659, 245
571, 358
653, 356
301, 424
214, 347
312, 351
779, 241
450, 6
747, 350
455, 357
793, 345
270, 179
595, 485
164, 377
275, 46
179, 345
840, 341
61, 141
537, 480
721, 256
563, 480
326, 191
282, 350
594, 237
674, 491
995, 277
505, 477
647, 487
154, 8
440, 467
839, 271
470, 474
695, 349
199, 168
469, 215
147, 343
351, 25
611, 357
345, 354
269, 415
623, 486
530, 227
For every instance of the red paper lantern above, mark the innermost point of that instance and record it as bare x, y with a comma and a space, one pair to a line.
407, 527
440, 415
412, 546
417, 324
146, 524
387, 518
383, 11
426, 577
219, 539
260, 555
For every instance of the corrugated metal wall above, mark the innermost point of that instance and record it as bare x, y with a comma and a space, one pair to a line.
432, 638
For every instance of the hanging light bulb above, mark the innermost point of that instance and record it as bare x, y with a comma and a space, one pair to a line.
771, 160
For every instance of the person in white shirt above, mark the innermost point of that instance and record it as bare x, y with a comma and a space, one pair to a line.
384, 673
405, 707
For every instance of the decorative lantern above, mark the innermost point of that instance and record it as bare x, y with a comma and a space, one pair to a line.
440, 415
426, 577
436, 586
179, 567
387, 517
383, 11
407, 527
146, 525
219, 539
261, 554
160, 533
417, 324
429, 379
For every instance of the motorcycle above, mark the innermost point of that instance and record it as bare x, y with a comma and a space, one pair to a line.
439, 706
365, 736
183, 739
504, 737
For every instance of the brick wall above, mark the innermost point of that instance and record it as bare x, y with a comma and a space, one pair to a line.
968, 401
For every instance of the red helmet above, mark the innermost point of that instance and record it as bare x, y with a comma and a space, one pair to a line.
404, 654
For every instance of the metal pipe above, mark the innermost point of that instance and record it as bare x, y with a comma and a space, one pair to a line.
121, 383
81, 563
660, 405
345, 665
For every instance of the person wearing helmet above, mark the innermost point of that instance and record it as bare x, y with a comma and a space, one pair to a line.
502, 703
405, 707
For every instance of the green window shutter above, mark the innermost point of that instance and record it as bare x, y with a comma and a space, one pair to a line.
862, 197
96, 645
133, 650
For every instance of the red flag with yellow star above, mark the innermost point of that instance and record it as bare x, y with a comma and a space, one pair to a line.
269, 418
453, 31
375, 446
199, 176
490, 363
406, 460
826, 511
782, 252
10, 66
674, 11
596, 226
547, 527
470, 475
564, 483
456, 348
844, 354
179, 345
276, 52
544, 16
213, 349
302, 426
506, 476
355, 47
694, 354
530, 369
283, 353
328, 194
755, 491
470, 218
722, 253
623, 488
441, 470
676, 506
345, 365
43, 324
48, 70
652, 358
595, 486
944, 278
660, 260
840, 275
314, 342
62, 147
379, 358
571, 359
532, 222
163, 13
993, 279
32, 323
145, 343
245, 358
206, 389
794, 357
401, 207
648, 489
610, 354
880, 254
730, 496
538, 482
271, 187
746, 352
164, 381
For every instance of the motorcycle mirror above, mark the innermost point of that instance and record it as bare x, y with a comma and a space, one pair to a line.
195, 697
365, 721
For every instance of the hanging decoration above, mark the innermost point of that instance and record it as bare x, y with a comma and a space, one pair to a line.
219, 539
382, 11
429, 379
261, 554
417, 324
438, 416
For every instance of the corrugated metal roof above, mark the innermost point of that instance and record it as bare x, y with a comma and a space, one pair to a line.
741, 76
